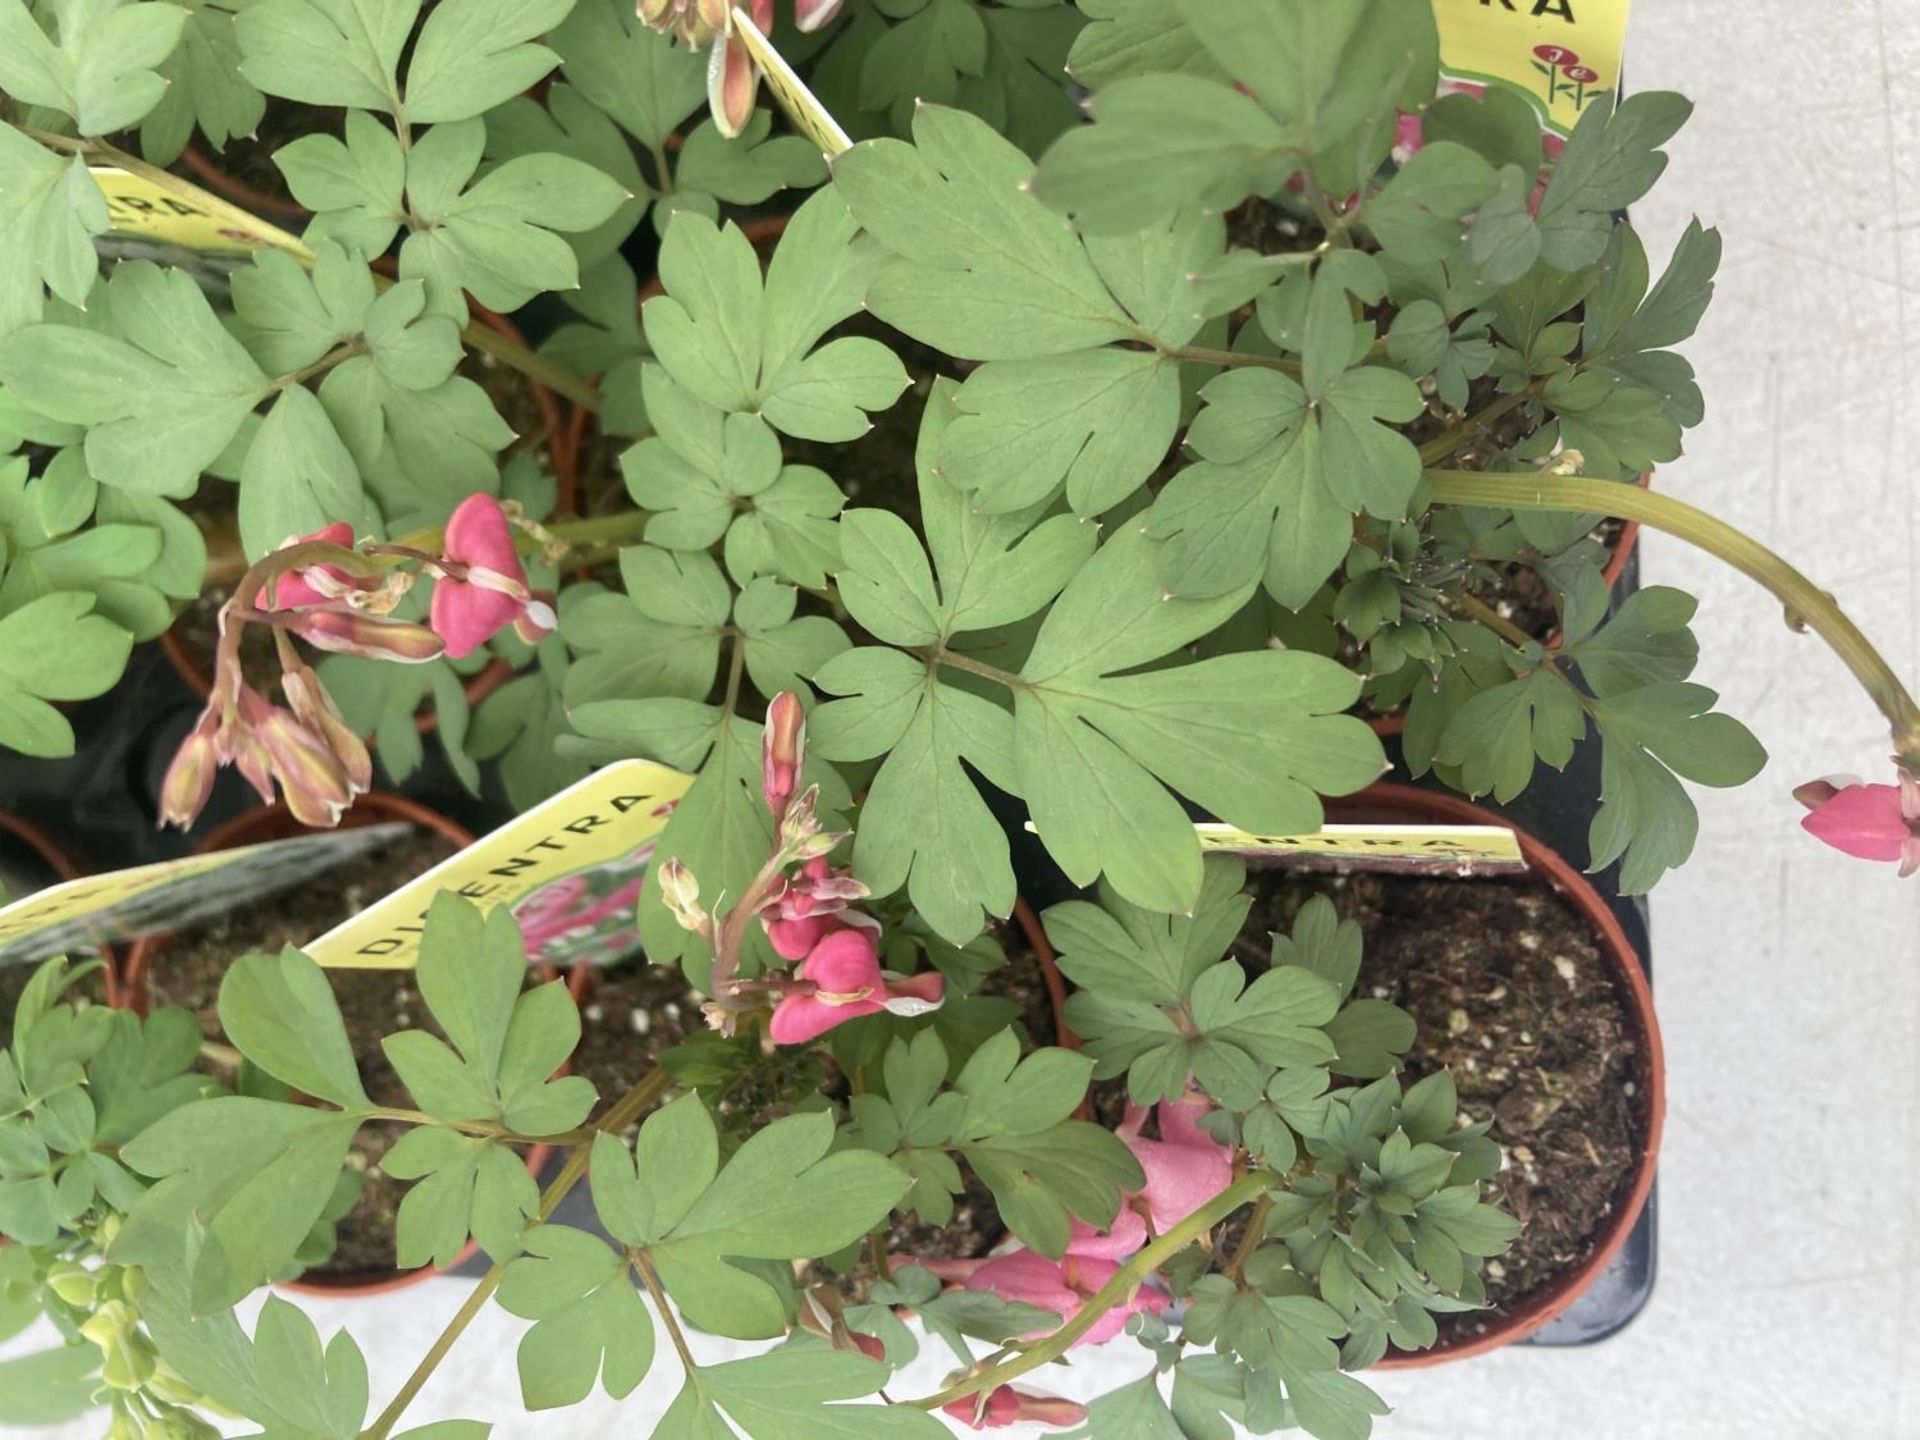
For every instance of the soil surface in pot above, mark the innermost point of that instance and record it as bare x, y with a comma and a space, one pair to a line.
1512, 993
249, 159
877, 469
634, 1012
187, 969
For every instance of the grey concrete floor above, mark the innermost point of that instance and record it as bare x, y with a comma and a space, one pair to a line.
1789, 985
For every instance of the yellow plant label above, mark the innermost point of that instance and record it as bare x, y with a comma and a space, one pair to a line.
1479, 848
570, 869
802, 107
172, 894
1560, 54
137, 206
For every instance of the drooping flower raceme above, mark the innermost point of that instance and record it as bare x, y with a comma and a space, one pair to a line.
802, 902
321, 589
1870, 822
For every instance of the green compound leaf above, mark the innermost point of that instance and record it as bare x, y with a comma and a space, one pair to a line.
354, 187
54, 649
54, 209
53, 549
628, 71
569, 124
742, 171
924, 824
496, 237
280, 1013
1250, 737
1653, 734
507, 1041
318, 1392
327, 52
475, 54
466, 1186
1056, 403
793, 1393
1304, 85
258, 1174
1133, 37
747, 346
205, 88
1495, 737
1611, 160
99, 66
298, 476
159, 382
707, 474
590, 1324
764, 1204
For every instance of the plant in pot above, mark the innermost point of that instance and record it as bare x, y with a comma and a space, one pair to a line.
353, 372
1177, 435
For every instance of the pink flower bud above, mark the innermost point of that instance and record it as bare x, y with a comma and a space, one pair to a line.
783, 749
348, 632
189, 781
312, 780
314, 708
733, 84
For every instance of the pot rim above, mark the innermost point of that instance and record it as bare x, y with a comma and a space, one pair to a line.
1573, 886
67, 863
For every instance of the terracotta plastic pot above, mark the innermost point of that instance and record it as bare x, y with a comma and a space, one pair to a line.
1617, 559
1406, 804
271, 822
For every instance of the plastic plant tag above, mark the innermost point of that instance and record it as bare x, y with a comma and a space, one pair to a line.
1558, 54
1437, 849
570, 868
137, 206
97, 910
807, 114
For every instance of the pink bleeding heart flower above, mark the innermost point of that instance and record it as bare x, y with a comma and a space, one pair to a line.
1870, 822
1005, 1406
1063, 1286
841, 980
312, 584
808, 907
1186, 1167
483, 588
